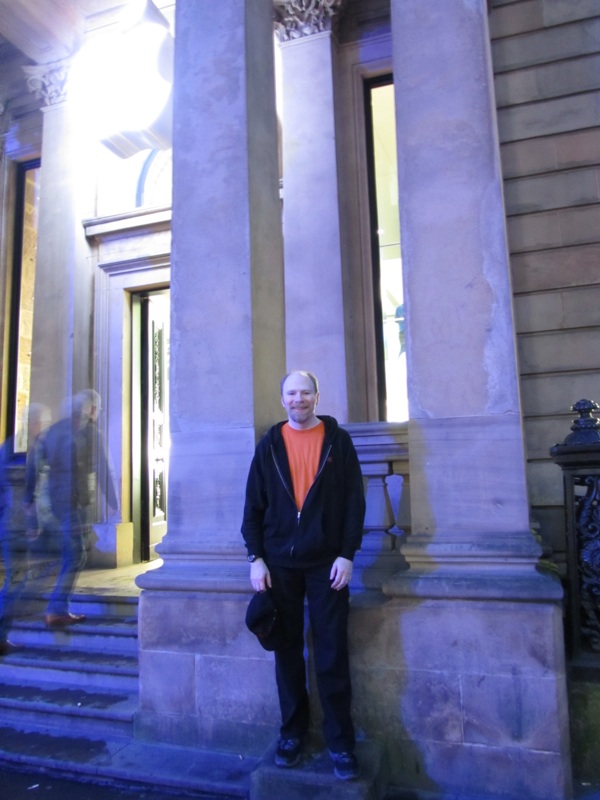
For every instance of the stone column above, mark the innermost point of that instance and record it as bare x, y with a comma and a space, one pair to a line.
227, 356
468, 489
492, 621
62, 324
314, 299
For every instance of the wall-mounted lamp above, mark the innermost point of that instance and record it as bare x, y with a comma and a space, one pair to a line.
122, 82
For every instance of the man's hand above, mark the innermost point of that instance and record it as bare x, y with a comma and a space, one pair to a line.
260, 577
341, 572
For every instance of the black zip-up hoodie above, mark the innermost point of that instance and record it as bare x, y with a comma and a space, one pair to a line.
330, 523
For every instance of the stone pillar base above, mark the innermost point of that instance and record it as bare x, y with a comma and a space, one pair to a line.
467, 693
204, 679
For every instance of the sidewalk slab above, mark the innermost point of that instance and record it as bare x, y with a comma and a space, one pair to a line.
123, 759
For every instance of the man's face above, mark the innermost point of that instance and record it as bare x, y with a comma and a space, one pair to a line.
299, 399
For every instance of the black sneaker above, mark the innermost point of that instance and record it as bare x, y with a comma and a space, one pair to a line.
345, 766
288, 752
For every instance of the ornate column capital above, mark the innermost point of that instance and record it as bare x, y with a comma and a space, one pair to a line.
48, 81
295, 19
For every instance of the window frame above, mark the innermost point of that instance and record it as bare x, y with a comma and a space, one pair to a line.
370, 83
14, 316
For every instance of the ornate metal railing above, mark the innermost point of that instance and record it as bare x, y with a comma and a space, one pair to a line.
579, 458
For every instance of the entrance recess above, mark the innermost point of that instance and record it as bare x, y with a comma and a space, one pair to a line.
150, 398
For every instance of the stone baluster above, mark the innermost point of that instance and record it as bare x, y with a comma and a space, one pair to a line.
382, 453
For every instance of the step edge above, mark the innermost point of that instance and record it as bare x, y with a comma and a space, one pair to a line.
129, 669
130, 776
79, 712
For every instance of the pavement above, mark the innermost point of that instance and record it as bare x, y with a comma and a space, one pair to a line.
120, 581
106, 770
188, 771
30, 785
17, 784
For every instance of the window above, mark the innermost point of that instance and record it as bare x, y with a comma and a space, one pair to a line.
22, 298
386, 257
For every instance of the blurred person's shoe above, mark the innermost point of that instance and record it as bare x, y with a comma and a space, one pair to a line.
9, 647
288, 752
62, 620
345, 766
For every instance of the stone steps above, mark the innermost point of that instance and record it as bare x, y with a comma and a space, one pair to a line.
92, 604
42, 706
68, 701
71, 667
78, 681
103, 634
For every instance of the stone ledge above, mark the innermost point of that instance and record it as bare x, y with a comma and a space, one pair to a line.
313, 778
458, 585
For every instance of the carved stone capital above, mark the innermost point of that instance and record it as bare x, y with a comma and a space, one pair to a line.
295, 19
48, 81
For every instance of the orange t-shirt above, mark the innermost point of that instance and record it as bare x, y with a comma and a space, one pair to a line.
303, 451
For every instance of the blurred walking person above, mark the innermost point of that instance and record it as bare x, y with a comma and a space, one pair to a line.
14, 527
76, 461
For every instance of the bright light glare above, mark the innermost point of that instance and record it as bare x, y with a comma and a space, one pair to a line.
132, 13
116, 79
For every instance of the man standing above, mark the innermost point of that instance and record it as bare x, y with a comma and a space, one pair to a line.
303, 522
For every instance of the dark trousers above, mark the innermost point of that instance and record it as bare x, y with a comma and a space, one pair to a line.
73, 558
328, 617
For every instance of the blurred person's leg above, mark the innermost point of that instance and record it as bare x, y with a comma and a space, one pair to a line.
73, 557
14, 555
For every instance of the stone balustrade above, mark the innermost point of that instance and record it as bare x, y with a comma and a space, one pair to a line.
382, 449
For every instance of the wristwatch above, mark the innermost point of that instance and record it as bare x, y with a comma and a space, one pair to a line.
252, 559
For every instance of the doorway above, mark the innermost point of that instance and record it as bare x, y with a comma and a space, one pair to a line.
150, 419
386, 255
